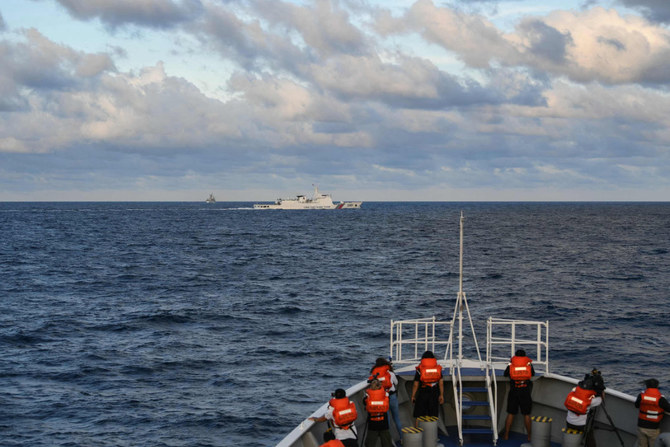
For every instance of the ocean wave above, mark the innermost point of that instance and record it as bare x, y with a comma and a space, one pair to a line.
161, 319
22, 339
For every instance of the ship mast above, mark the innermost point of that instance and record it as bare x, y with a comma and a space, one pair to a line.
462, 303
460, 295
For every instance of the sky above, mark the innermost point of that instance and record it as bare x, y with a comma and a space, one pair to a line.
460, 100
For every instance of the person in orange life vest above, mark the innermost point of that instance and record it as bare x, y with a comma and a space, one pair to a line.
519, 370
383, 369
586, 395
652, 405
338, 406
330, 441
377, 405
428, 388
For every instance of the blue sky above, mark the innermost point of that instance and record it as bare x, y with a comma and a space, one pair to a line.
371, 100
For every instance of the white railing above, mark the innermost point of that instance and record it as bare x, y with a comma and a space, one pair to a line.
492, 387
458, 393
505, 336
411, 338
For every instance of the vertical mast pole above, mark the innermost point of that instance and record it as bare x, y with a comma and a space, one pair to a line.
460, 269
460, 297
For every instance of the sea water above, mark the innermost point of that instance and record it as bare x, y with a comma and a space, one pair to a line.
193, 324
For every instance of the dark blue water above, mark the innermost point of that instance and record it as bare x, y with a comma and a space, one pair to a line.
186, 324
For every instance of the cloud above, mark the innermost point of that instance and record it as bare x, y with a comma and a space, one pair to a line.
320, 47
545, 42
407, 82
3, 26
76, 99
401, 172
246, 43
150, 13
41, 65
324, 27
471, 36
654, 10
55, 97
613, 49
592, 45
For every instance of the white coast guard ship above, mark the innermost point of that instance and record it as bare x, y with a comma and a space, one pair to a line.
317, 202
475, 390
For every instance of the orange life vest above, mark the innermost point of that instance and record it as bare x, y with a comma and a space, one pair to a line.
344, 412
520, 369
382, 374
579, 399
333, 443
377, 404
650, 410
430, 371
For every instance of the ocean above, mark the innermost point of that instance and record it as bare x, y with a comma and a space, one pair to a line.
193, 324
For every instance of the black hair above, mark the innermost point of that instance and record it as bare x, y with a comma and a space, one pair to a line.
428, 355
651, 383
381, 361
339, 393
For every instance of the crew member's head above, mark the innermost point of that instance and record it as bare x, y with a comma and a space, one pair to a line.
428, 355
339, 393
651, 383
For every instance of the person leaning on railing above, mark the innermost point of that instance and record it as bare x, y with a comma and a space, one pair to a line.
581, 403
341, 414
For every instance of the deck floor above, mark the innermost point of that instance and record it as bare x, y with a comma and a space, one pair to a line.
515, 440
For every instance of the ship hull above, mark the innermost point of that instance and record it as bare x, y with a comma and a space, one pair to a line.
549, 391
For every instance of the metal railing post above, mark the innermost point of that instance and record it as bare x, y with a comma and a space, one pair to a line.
546, 347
